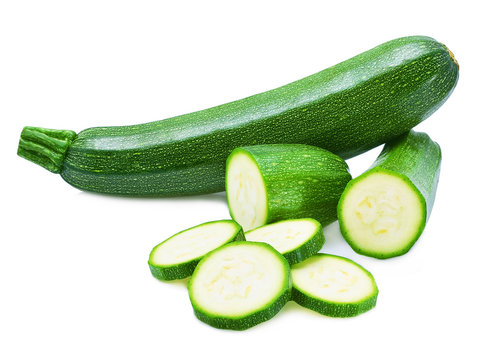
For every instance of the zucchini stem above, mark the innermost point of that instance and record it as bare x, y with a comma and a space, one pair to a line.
45, 147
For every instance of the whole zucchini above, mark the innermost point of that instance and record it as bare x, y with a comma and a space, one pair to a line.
346, 109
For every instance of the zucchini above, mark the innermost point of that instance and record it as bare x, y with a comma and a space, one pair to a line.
383, 212
333, 286
239, 285
347, 109
295, 239
268, 183
177, 256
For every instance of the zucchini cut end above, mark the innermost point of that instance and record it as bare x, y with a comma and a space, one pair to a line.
381, 214
246, 190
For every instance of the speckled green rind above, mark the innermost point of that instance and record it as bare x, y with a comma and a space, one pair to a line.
416, 159
335, 309
186, 269
305, 250
180, 271
251, 319
347, 109
301, 181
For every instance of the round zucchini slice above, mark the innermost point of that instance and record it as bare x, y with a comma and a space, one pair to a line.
333, 286
295, 239
177, 256
240, 285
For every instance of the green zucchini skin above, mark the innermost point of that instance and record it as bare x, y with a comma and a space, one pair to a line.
416, 159
307, 250
336, 309
347, 109
301, 181
186, 269
182, 271
245, 323
333, 309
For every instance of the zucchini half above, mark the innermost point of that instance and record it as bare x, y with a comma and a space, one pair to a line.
383, 212
268, 183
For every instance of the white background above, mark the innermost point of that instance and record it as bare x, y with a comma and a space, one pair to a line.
73, 266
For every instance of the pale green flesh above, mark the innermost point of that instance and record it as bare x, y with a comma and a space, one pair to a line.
381, 213
285, 236
193, 243
332, 279
246, 192
235, 281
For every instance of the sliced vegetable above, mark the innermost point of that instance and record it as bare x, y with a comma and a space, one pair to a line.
268, 183
177, 256
333, 286
240, 285
295, 239
347, 109
383, 212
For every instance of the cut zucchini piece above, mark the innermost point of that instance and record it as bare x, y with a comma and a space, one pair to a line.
268, 183
240, 285
295, 239
177, 256
383, 212
333, 286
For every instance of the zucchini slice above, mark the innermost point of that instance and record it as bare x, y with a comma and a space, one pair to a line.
268, 183
333, 286
240, 285
383, 212
295, 239
177, 256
